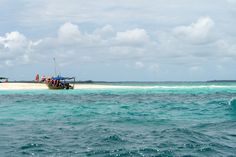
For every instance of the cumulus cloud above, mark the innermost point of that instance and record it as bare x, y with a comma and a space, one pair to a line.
106, 42
106, 45
135, 36
196, 33
69, 32
15, 48
13, 40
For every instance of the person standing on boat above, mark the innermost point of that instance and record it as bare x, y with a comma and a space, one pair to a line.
37, 78
43, 79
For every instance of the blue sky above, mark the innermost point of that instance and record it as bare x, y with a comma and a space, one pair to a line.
125, 40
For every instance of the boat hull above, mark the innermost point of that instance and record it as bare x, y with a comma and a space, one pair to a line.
51, 86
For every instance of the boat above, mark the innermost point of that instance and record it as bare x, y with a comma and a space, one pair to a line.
60, 82
3, 79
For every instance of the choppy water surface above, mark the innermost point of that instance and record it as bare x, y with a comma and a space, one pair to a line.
164, 120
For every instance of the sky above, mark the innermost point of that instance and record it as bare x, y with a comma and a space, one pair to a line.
125, 40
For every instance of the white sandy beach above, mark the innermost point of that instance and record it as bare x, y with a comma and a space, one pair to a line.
41, 86
22, 86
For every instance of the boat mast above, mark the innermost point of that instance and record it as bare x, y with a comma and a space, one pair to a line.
55, 68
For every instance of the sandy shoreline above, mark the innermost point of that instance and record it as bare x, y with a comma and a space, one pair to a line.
42, 86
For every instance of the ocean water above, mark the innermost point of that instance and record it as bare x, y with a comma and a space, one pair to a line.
159, 119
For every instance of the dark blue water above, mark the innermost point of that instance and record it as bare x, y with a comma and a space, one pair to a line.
188, 120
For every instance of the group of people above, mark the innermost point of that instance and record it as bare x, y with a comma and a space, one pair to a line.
54, 82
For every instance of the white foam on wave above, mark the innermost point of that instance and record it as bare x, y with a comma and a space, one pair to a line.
96, 86
232, 103
196, 87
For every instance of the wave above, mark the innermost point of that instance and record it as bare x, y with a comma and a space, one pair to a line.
161, 87
167, 142
232, 103
196, 87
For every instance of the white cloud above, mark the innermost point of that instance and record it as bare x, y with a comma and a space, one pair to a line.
13, 40
135, 36
106, 45
196, 33
69, 32
102, 45
15, 48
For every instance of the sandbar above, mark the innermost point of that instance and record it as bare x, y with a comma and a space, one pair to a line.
42, 86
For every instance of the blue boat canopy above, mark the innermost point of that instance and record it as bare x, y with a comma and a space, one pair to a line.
62, 78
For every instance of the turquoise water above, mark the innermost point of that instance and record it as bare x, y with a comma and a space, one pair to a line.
165, 119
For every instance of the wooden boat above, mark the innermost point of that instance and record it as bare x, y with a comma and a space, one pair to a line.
60, 82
